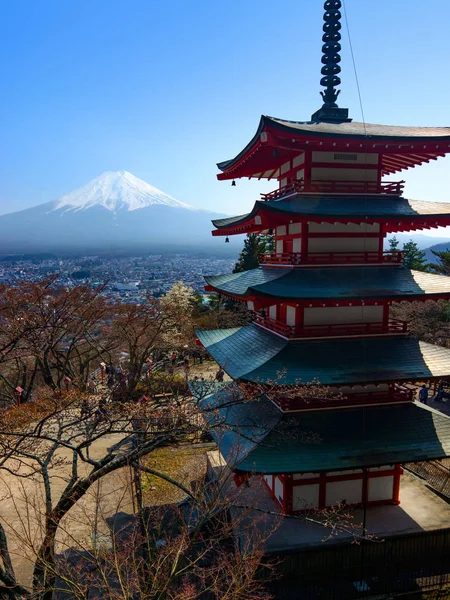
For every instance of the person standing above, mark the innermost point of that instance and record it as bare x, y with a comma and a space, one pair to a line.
423, 394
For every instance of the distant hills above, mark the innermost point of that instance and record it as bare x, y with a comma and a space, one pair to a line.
114, 212
426, 243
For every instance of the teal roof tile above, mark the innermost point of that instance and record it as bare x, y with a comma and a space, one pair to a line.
253, 354
366, 208
256, 437
339, 282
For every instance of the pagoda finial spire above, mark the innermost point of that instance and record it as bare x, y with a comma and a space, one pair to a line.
331, 69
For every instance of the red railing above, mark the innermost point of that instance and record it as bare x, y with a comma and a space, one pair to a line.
323, 258
394, 326
387, 188
274, 325
396, 394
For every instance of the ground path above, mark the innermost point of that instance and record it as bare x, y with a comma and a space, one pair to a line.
22, 508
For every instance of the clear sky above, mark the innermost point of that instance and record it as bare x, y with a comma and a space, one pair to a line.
165, 89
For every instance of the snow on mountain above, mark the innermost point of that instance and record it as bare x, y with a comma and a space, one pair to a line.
116, 211
117, 190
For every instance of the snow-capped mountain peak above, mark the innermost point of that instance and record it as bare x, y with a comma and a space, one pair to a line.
114, 191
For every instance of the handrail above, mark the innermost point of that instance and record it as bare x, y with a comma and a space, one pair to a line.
397, 394
299, 186
394, 326
296, 258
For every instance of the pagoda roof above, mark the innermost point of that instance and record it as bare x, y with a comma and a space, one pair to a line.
362, 283
410, 144
253, 354
348, 209
256, 437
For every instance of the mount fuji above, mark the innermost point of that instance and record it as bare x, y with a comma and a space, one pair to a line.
114, 212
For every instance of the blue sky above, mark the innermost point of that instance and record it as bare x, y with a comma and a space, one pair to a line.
167, 89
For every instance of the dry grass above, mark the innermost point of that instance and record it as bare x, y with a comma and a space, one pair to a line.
185, 464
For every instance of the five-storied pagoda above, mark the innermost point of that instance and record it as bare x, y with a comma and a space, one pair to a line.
320, 306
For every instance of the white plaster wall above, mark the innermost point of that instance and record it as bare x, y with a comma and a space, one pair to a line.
359, 244
296, 245
361, 158
250, 305
258, 220
329, 315
300, 174
305, 496
381, 488
344, 227
285, 167
273, 312
279, 246
279, 490
281, 230
350, 491
290, 315
283, 182
340, 174
295, 228
269, 480
298, 160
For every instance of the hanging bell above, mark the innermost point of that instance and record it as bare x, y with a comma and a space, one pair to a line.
227, 240
233, 183
275, 152
270, 232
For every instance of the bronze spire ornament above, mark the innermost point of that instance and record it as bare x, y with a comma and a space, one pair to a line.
330, 61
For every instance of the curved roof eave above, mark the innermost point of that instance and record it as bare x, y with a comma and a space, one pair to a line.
352, 130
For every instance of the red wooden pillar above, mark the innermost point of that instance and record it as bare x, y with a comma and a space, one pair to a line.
385, 314
396, 490
288, 492
304, 240
365, 486
322, 490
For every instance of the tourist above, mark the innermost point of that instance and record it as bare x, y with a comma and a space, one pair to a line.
423, 394
220, 375
173, 359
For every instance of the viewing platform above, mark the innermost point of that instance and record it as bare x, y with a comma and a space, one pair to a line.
396, 394
293, 259
393, 327
384, 188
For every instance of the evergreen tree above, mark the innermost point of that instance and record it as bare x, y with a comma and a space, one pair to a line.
393, 243
443, 266
254, 245
413, 258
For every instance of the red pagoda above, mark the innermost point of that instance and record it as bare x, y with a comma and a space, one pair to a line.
320, 305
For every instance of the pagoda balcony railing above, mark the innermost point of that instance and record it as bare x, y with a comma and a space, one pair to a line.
392, 327
385, 188
334, 258
394, 395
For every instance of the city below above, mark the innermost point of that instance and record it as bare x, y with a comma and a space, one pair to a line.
127, 279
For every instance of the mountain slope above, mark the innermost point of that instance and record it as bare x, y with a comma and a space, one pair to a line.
115, 211
117, 190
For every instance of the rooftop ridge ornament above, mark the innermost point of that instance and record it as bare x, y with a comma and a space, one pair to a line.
331, 69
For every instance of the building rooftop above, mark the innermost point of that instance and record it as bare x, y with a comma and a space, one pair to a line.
256, 437
339, 282
420, 510
357, 209
250, 353
414, 145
